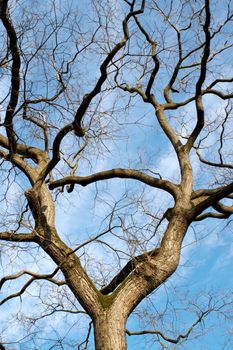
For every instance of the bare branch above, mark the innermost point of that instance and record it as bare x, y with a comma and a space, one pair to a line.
28, 283
25, 150
18, 237
153, 56
211, 215
198, 98
180, 336
103, 69
30, 273
15, 73
86, 341
126, 271
117, 173
213, 164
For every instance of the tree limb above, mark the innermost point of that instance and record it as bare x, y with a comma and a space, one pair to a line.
126, 270
180, 336
28, 283
198, 98
27, 272
117, 173
18, 237
211, 215
15, 73
103, 68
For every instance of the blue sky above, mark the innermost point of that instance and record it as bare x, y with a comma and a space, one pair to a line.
132, 139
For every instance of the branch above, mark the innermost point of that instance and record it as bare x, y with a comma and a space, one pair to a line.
153, 55
207, 162
56, 152
86, 341
76, 125
103, 68
18, 237
18, 294
211, 215
218, 93
16, 341
205, 193
26, 151
174, 75
29, 282
26, 272
223, 209
226, 80
21, 164
212, 198
117, 173
126, 270
198, 99
167, 128
15, 73
35, 319
48, 99
180, 336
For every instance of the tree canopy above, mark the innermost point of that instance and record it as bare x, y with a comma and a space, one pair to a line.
116, 152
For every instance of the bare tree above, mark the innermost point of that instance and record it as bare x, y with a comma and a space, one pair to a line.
77, 84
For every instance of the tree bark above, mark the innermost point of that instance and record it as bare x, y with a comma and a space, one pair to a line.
109, 330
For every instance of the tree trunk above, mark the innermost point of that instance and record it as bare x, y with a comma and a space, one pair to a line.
109, 329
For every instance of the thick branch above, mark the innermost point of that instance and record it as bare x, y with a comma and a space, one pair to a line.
21, 164
153, 270
26, 151
117, 173
56, 152
212, 215
212, 198
169, 131
175, 105
198, 100
222, 208
127, 269
15, 73
153, 55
